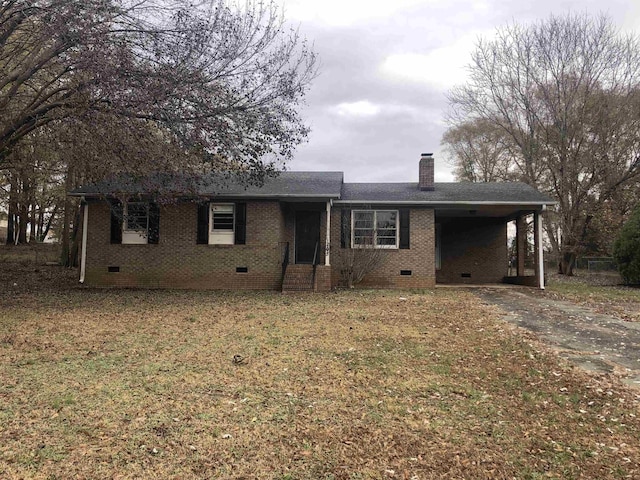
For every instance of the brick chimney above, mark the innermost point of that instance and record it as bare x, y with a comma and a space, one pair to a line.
425, 178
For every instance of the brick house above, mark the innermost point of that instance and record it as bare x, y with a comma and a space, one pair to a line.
292, 232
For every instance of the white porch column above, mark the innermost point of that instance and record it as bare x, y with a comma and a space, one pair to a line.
521, 244
327, 243
537, 223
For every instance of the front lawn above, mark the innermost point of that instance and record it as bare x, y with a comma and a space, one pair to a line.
360, 384
599, 291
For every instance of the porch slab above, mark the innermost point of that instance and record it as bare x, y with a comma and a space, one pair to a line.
483, 285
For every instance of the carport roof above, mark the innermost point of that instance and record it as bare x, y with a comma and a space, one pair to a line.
507, 193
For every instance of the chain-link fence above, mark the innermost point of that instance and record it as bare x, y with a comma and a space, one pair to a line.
597, 264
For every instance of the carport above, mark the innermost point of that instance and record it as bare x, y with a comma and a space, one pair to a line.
471, 243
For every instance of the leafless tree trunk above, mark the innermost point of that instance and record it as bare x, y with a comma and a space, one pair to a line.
13, 210
75, 238
565, 95
67, 213
47, 227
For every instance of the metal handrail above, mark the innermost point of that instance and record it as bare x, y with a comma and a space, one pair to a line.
285, 260
315, 264
315, 254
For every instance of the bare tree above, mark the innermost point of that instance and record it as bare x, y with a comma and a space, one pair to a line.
224, 82
120, 87
478, 152
356, 261
565, 93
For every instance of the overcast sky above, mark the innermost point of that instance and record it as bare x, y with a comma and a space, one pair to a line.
386, 65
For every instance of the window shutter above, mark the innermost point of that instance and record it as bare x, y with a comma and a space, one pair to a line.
404, 228
154, 223
241, 223
345, 228
117, 214
203, 223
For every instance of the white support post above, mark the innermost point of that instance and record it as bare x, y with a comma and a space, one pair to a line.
539, 250
327, 243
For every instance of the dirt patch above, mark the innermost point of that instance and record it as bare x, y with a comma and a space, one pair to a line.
20, 282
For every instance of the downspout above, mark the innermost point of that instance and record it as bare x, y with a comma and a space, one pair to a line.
83, 255
538, 225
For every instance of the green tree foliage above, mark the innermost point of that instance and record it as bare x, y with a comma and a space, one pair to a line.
626, 249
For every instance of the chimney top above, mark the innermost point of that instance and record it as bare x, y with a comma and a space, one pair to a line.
426, 172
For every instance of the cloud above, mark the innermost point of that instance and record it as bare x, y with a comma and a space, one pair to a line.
362, 108
440, 67
346, 12
379, 100
373, 148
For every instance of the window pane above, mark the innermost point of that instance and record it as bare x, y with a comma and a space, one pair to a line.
363, 219
378, 228
363, 236
385, 219
386, 228
137, 216
386, 241
387, 232
223, 221
222, 217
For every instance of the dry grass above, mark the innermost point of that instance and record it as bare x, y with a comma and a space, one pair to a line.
36, 254
599, 291
409, 385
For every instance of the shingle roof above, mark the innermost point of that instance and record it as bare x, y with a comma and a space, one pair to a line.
324, 185
286, 184
443, 193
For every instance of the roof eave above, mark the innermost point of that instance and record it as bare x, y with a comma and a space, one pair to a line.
444, 203
267, 196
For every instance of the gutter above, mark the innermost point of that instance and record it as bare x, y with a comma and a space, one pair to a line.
83, 255
442, 202
220, 195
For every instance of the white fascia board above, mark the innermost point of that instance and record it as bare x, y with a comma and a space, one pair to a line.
441, 203
227, 195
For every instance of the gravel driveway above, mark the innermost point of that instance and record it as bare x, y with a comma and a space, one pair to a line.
590, 340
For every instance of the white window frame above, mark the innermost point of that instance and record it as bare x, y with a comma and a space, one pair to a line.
375, 229
221, 236
134, 236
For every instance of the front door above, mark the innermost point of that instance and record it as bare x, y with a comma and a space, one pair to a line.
307, 235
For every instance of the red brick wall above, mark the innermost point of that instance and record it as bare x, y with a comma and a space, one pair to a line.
426, 173
178, 262
419, 258
475, 246
323, 278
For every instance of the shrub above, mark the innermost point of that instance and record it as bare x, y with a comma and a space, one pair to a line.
355, 263
626, 249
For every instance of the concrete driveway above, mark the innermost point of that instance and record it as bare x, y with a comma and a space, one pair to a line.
590, 340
